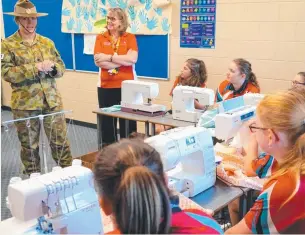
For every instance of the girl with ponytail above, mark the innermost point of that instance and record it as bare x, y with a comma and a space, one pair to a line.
240, 80
132, 188
279, 130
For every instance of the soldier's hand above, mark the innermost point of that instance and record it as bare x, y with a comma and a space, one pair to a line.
39, 66
47, 65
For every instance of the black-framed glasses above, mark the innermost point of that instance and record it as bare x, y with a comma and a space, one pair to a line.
294, 83
252, 128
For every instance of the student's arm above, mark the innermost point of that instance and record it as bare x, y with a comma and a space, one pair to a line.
199, 106
251, 155
240, 228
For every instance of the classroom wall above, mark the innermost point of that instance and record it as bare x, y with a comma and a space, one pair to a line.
269, 33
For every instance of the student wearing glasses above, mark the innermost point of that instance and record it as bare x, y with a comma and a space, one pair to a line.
115, 53
279, 130
299, 80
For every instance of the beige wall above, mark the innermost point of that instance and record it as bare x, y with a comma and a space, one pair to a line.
269, 33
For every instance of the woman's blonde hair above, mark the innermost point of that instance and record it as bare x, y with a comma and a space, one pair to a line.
120, 13
285, 112
199, 74
130, 175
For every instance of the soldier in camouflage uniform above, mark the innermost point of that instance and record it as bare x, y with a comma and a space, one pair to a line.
30, 63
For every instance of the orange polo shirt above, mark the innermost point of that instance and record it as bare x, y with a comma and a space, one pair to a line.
176, 83
103, 45
225, 90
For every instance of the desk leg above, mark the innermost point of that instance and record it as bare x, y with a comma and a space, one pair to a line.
242, 207
147, 129
250, 198
153, 129
99, 132
127, 128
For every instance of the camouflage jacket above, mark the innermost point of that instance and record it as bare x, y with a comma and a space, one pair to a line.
31, 88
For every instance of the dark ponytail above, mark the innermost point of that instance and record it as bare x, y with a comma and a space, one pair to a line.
130, 175
141, 204
253, 79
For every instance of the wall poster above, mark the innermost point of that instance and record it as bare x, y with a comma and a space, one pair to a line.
197, 23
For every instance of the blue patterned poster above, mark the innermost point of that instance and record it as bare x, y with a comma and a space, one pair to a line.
149, 17
197, 23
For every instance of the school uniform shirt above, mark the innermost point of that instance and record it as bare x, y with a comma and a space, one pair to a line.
176, 83
226, 90
103, 44
189, 221
280, 208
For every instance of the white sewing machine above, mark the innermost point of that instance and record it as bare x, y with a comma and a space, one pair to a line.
233, 113
63, 202
188, 158
183, 102
133, 95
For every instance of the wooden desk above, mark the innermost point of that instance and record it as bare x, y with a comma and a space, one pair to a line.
119, 114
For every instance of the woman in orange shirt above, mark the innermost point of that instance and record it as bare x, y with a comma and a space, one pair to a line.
240, 80
115, 52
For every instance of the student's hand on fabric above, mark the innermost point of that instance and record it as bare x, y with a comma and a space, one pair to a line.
208, 211
252, 145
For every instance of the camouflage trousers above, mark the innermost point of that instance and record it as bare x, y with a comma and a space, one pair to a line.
29, 134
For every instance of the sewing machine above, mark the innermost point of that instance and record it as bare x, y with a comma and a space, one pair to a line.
133, 95
183, 102
63, 201
188, 158
233, 113
252, 98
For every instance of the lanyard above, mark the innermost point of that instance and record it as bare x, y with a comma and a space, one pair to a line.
116, 45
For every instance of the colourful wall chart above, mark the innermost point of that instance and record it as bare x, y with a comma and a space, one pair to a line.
197, 23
